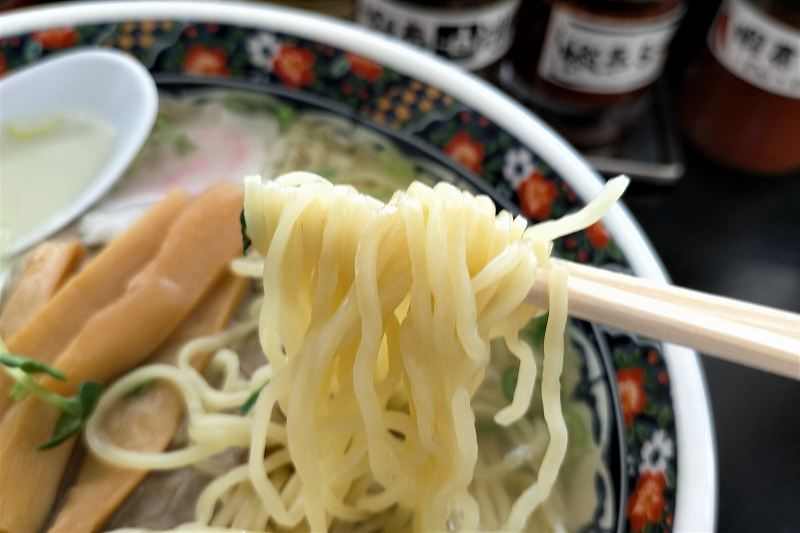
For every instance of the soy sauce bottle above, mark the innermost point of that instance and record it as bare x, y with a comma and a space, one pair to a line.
343, 9
474, 34
740, 100
588, 66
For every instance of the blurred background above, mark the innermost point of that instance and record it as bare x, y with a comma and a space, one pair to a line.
699, 101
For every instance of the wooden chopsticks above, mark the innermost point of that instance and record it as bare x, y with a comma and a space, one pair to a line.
744, 333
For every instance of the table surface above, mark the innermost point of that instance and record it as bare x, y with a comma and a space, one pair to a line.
739, 236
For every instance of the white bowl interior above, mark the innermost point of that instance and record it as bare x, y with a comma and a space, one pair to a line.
105, 84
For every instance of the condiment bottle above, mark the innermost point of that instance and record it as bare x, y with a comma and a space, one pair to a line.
740, 101
342, 9
587, 66
474, 34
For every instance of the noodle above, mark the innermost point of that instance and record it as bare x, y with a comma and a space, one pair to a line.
551, 399
375, 328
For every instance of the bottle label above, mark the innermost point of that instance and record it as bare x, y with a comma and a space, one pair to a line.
757, 48
603, 55
471, 37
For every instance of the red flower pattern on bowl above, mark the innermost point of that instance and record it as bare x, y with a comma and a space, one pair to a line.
646, 504
56, 38
206, 61
598, 235
364, 68
536, 195
632, 395
294, 66
466, 150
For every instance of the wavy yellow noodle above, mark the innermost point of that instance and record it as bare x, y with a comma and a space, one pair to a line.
375, 329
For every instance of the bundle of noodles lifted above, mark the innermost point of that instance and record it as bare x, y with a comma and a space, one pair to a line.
375, 326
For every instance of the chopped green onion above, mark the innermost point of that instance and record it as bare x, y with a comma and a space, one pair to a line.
251, 400
285, 115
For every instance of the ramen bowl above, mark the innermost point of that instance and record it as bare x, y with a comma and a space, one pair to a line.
650, 412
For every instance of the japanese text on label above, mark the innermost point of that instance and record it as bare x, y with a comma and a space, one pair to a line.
757, 48
603, 56
472, 38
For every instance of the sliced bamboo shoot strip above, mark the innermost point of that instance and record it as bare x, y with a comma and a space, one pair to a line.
50, 265
195, 253
103, 280
146, 422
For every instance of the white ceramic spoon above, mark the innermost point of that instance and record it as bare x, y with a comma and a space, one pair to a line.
105, 84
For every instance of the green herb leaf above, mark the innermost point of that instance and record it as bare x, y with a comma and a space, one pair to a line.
66, 426
285, 115
246, 242
251, 400
88, 394
18, 392
71, 420
509, 381
535, 330
183, 145
30, 366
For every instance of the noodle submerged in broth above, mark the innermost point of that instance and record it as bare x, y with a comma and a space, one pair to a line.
378, 401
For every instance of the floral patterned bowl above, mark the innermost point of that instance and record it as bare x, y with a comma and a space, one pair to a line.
667, 474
